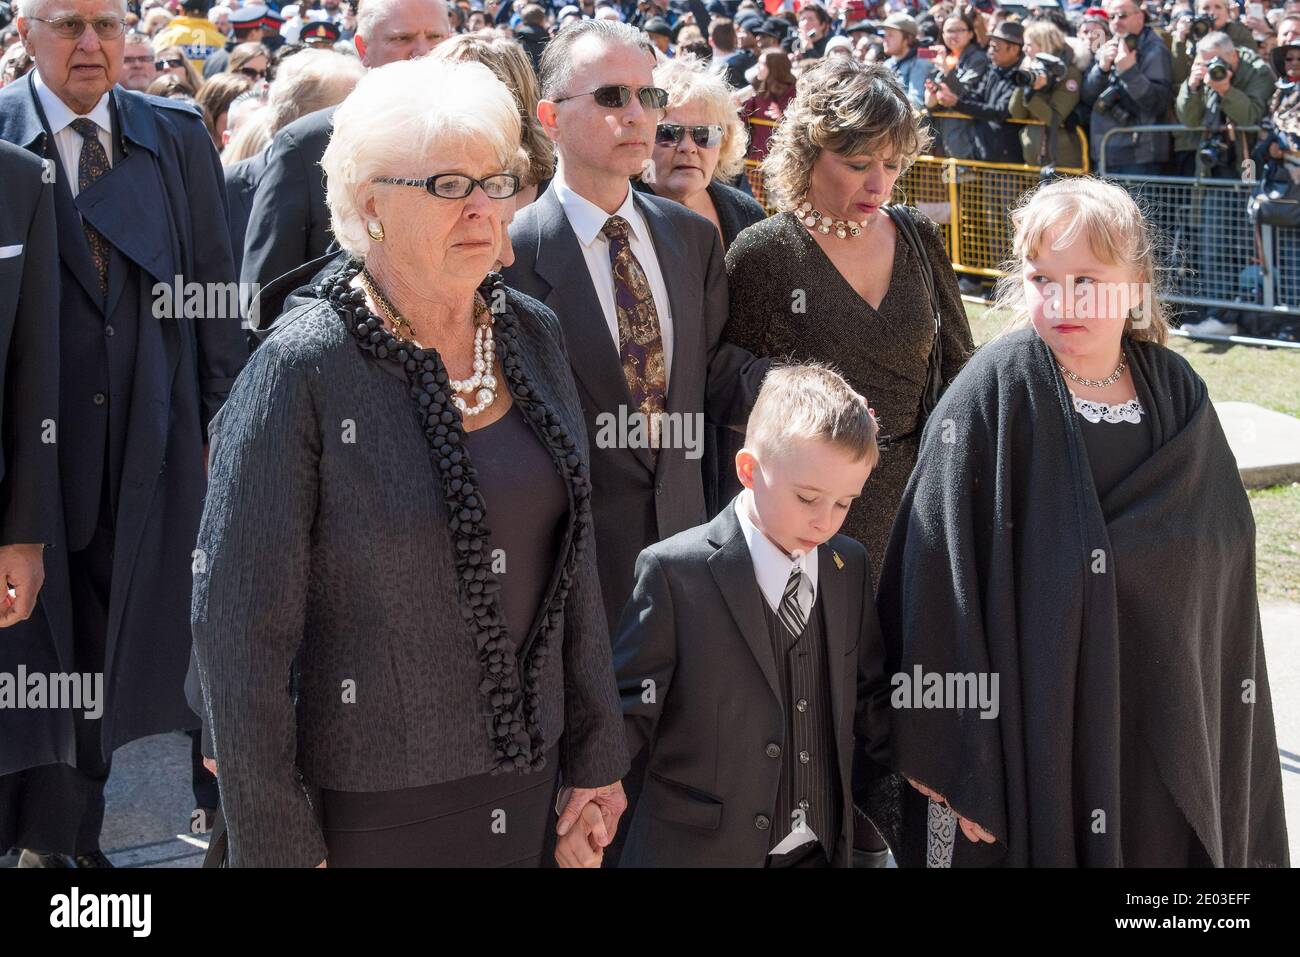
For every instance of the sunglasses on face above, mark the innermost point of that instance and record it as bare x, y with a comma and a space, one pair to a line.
252, 74
458, 185
71, 28
705, 137
166, 64
617, 97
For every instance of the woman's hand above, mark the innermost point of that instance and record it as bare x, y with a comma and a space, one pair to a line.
609, 800
974, 833
578, 848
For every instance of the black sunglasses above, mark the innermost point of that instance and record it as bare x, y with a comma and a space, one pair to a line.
458, 185
164, 64
252, 74
617, 97
705, 137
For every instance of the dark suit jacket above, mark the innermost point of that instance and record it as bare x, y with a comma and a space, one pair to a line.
289, 222
241, 186
695, 628
138, 385
29, 352
638, 500
365, 588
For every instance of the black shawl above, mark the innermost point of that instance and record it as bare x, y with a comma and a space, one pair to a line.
1003, 560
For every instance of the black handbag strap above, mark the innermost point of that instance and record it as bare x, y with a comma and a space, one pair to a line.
902, 217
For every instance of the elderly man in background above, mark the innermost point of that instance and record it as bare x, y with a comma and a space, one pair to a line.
289, 224
140, 207
138, 69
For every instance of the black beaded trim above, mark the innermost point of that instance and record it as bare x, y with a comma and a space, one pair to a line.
514, 719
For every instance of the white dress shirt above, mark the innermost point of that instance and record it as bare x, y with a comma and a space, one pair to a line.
67, 140
772, 570
587, 220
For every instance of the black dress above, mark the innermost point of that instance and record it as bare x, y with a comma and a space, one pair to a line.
1154, 831
486, 820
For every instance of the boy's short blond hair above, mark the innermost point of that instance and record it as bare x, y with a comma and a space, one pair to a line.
811, 402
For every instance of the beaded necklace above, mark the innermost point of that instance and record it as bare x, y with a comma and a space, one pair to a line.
513, 706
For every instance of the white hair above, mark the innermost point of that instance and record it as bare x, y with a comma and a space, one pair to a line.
30, 8
372, 10
308, 81
1216, 42
381, 130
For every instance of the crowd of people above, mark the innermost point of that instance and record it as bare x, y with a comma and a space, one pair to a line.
437, 428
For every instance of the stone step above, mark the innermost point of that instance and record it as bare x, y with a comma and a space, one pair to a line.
1266, 443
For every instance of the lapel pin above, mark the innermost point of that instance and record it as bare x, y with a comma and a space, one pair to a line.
839, 562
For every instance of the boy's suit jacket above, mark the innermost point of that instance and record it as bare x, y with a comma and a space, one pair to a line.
699, 688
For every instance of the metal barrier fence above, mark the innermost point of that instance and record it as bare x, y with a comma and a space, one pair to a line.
1212, 256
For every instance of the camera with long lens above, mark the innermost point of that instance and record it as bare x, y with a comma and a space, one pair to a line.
1113, 103
1218, 69
1215, 149
1042, 64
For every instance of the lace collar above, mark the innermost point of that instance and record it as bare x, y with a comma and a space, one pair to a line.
1130, 411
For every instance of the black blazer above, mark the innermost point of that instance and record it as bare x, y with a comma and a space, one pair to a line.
637, 500
326, 545
241, 187
29, 351
289, 222
695, 627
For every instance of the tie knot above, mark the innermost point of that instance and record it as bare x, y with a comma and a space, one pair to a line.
85, 127
615, 228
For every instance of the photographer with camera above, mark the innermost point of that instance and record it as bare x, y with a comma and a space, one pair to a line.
959, 63
1129, 84
1048, 89
987, 101
1225, 85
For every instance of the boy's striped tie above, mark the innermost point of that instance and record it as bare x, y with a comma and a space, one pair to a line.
791, 612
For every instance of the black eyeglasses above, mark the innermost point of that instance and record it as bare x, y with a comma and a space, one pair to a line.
705, 137
617, 97
71, 28
458, 185
164, 64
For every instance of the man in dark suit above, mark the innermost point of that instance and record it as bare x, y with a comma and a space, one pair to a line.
750, 661
29, 384
640, 288
289, 223
149, 345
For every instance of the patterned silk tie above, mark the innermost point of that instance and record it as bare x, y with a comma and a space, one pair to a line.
91, 166
640, 343
791, 611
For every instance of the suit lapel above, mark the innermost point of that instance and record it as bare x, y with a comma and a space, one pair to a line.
74, 248
592, 352
127, 204
733, 570
832, 583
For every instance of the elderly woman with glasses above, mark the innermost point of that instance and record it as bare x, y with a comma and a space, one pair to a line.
409, 450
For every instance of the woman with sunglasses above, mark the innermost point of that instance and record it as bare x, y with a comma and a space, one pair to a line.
171, 61
250, 60
435, 591
699, 148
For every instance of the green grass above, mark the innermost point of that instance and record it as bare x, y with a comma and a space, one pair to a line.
1266, 377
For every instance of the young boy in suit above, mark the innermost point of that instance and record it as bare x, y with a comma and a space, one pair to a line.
749, 657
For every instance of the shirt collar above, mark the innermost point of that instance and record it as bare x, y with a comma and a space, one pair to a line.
588, 219
59, 115
771, 565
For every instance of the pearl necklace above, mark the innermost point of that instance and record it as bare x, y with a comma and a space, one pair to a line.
844, 228
1097, 383
483, 383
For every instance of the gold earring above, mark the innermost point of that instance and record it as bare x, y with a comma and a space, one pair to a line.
376, 230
